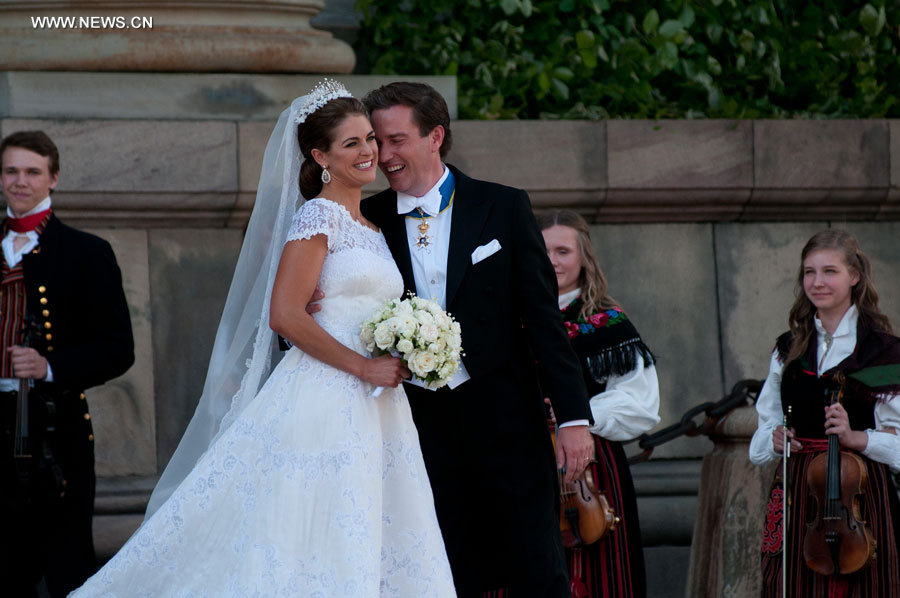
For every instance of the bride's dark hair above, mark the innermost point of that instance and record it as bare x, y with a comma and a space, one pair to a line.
317, 132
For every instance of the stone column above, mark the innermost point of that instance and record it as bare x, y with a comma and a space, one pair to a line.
725, 550
164, 35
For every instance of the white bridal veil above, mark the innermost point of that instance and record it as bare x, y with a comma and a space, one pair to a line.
242, 353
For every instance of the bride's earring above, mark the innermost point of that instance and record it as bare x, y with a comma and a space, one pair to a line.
326, 176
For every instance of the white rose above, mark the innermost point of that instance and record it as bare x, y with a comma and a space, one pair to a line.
422, 363
428, 333
383, 336
434, 308
424, 317
410, 325
451, 340
404, 308
455, 329
443, 321
395, 324
447, 370
405, 346
367, 333
437, 346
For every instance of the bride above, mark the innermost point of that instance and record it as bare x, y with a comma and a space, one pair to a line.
307, 486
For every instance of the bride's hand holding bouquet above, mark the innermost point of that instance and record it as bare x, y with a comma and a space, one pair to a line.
425, 338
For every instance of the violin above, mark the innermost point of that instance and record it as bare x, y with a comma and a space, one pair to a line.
21, 449
838, 540
585, 513
39, 477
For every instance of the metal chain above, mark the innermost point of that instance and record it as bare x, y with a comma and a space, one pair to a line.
743, 393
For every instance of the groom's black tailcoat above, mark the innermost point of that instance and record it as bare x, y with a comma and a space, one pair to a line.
73, 286
485, 443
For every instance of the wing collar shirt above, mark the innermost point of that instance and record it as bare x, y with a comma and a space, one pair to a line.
13, 257
429, 263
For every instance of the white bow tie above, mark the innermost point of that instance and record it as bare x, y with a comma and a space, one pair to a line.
430, 202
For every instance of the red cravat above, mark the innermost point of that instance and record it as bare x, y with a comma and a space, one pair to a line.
28, 223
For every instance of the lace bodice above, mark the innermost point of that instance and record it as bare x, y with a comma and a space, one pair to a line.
358, 274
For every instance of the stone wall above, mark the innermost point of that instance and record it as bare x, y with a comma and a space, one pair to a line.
698, 225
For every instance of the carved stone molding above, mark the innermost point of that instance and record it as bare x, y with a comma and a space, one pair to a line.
263, 36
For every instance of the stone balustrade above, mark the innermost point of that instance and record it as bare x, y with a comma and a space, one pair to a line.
165, 35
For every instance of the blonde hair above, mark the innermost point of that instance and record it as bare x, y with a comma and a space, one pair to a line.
863, 294
590, 279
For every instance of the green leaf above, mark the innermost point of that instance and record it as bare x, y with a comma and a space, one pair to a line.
527, 8
567, 5
496, 103
704, 79
589, 58
713, 66
651, 21
562, 90
584, 39
601, 52
872, 19
746, 41
509, 6
671, 28
668, 55
599, 5
543, 82
563, 73
687, 16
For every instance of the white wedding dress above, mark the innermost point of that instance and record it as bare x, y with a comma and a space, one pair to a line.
317, 489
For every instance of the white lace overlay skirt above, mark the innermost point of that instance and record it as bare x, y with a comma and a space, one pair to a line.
317, 490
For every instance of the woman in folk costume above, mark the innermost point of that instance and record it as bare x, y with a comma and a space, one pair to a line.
309, 485
620, 375
838, 339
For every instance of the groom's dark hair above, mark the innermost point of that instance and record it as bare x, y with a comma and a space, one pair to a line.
428, 106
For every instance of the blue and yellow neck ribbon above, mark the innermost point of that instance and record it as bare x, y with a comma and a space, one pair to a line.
447, 191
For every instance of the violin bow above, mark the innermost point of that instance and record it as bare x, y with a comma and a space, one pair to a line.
786, 503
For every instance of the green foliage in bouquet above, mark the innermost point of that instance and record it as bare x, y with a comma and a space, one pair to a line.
645, 58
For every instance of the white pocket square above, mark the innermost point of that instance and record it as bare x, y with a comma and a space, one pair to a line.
485, 251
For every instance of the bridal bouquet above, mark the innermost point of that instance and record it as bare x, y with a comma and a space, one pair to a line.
420, 333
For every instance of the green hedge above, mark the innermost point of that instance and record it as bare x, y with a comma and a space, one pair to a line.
645, 59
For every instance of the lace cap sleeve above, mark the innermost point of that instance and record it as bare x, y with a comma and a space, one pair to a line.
316, 217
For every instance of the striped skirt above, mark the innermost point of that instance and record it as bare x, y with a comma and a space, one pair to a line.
881, 508
612, 567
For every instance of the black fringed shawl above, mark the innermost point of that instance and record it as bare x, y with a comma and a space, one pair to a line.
606, 342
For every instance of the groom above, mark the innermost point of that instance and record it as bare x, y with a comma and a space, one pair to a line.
474, 247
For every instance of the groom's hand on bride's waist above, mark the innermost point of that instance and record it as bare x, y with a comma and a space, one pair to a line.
312, 307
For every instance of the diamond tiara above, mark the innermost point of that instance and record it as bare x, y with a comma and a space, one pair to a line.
324, 91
